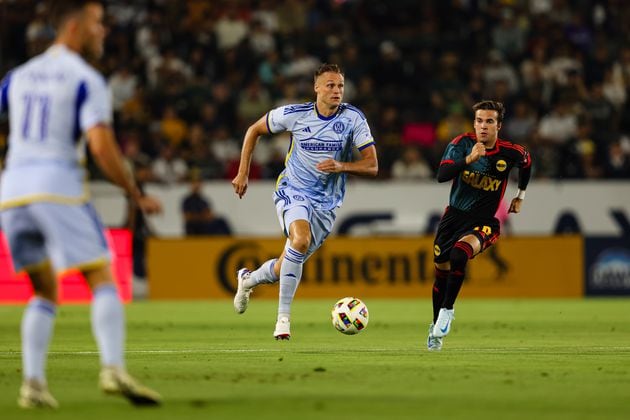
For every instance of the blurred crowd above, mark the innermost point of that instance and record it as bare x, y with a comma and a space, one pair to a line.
189, 76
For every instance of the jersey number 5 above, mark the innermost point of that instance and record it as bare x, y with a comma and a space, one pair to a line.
36, 111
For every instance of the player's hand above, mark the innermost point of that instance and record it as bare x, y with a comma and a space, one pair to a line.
330, 166
515, 205
149, 204
477, 151
240, 184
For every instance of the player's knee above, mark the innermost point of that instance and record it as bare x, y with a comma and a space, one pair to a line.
460, 254
44, 285
301, 243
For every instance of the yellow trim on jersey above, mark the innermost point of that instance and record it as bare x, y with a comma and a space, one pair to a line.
37, 267
286, 159
88, 266
278, 180
371, 140
49, 198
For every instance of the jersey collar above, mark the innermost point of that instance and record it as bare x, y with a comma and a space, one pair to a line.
322, 117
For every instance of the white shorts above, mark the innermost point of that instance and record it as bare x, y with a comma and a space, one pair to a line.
292, 205
71, 236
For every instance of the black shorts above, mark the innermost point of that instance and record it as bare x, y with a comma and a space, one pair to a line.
456, 224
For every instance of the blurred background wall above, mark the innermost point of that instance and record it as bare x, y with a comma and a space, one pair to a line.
188, 76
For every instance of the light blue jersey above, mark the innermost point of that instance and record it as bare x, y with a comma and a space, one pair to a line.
315, 138
51, 100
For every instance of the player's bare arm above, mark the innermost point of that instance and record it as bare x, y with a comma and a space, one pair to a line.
366, 166
252, 134
106, 153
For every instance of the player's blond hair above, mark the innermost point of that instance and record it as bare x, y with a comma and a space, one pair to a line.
328, 68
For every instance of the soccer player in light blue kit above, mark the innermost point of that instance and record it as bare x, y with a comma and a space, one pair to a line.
324, 135
46, 215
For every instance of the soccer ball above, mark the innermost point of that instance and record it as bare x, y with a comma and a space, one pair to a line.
349, 315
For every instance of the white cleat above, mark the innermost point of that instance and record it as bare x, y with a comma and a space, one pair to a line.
443, 324
283, 329
433, 343
241, 298
118, 382
34, 394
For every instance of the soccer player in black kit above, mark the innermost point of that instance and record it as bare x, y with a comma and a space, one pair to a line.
479, 164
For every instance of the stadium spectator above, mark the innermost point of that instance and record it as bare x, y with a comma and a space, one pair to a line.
173, 128
618, 162
190, 54
168, 168
199, 219
123, 85
411, 165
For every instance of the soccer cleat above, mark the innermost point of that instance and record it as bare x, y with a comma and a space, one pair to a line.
443, 324
433, 343
283, 329
34, 394
241, 298
116, 381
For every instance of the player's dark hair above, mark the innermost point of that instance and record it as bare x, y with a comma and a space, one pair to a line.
491, 106
328, 68
60, 10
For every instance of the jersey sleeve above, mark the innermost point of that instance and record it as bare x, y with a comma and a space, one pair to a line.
525, 166
362, 137
95, 102
525, 160
455, 151
4, 93
280, 119
453, 160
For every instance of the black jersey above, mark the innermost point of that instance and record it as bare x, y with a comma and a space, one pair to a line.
479, 187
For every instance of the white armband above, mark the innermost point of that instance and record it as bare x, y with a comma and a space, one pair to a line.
520, 194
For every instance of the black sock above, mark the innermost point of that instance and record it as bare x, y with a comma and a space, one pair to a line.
460, 254
439, 290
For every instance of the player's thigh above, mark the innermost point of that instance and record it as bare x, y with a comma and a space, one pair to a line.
25, 239
447, 234
322, 222
74, 235
291, 205
487, 233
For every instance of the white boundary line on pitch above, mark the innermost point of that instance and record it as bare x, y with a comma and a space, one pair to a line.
547, 350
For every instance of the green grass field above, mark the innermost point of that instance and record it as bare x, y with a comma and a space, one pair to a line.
504, 359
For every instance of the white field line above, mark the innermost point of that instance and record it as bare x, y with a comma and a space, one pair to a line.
537, 350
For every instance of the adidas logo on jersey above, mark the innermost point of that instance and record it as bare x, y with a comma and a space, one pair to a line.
306, 130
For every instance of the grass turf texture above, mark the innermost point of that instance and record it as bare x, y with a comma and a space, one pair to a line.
507, 359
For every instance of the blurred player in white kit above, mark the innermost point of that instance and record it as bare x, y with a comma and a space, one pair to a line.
47, 218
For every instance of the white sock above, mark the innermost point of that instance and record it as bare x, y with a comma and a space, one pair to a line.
108, 325
290, 275
264, 274
37, 328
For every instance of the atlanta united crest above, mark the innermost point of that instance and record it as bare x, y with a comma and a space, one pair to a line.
338, 127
